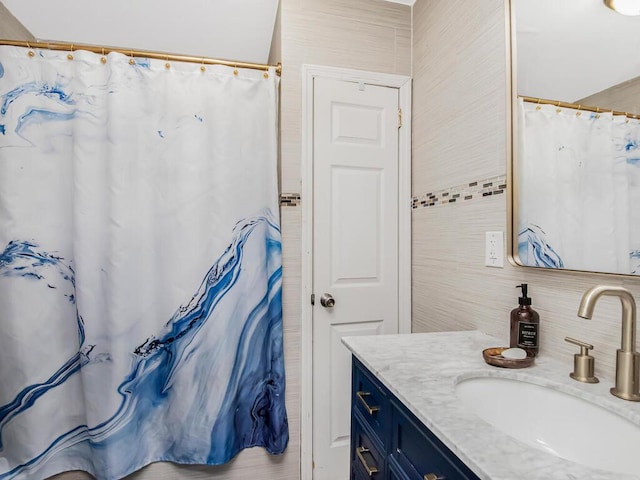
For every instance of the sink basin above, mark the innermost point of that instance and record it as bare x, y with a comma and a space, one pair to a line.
555, 422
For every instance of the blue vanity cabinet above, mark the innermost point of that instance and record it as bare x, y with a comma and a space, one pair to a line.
389, 443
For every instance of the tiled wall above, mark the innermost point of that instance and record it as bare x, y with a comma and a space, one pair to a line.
475, 190
459, 137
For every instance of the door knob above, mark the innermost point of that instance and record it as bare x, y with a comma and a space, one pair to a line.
327, 300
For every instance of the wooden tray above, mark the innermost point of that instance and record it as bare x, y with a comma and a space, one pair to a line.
493, 357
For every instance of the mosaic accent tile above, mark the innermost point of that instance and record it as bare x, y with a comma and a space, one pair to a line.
475, 190
289, 199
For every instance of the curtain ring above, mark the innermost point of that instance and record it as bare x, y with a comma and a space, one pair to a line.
266, 72
202, 67
70, 56
558, 109
235, 70
597, 112
167, 65
30, 53
131, 59
538, 107
103, 59
578, 113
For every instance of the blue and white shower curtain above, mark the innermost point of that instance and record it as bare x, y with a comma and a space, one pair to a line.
578, 177
140, 267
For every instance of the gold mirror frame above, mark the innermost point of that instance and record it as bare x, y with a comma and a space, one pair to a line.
512, 231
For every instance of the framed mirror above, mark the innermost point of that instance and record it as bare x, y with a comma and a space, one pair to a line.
575, 171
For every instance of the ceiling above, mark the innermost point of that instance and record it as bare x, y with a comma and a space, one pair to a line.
227, 29
570, 49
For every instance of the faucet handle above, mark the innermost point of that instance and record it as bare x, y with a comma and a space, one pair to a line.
583, 363
584, 347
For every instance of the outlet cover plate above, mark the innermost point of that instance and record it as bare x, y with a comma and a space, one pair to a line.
494, 249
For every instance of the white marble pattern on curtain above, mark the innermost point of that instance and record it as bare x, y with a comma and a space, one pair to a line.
140, 264
578, 181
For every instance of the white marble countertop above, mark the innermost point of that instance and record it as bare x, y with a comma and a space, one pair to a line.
422, 369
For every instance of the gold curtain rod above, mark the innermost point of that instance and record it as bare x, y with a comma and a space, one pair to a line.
140, 53
558, 103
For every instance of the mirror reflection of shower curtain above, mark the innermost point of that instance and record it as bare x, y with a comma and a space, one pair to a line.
578, 182
140, 267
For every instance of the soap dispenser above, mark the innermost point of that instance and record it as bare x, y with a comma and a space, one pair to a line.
524, 324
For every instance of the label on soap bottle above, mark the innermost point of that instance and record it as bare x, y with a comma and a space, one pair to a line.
527, 334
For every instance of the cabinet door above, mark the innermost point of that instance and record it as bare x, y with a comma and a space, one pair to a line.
367, 460
419, 453
369, 398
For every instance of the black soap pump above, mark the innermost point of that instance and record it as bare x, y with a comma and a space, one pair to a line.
524, 324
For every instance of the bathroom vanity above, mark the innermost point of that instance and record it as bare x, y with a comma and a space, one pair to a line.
409, 420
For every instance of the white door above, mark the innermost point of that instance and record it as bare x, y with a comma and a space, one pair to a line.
355, 247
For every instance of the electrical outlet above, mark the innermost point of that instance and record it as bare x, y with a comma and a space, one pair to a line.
494, 249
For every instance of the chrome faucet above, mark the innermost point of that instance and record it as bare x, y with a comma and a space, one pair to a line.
627, 359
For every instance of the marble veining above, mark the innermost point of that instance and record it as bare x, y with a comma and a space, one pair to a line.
423, 369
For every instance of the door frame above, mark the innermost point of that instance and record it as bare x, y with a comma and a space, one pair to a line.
403, 84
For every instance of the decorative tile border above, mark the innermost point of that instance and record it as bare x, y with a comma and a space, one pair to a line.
457, 194
462, 193
289, 199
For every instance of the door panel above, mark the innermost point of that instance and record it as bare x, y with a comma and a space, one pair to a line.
357, 124
340, 418
355, 230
